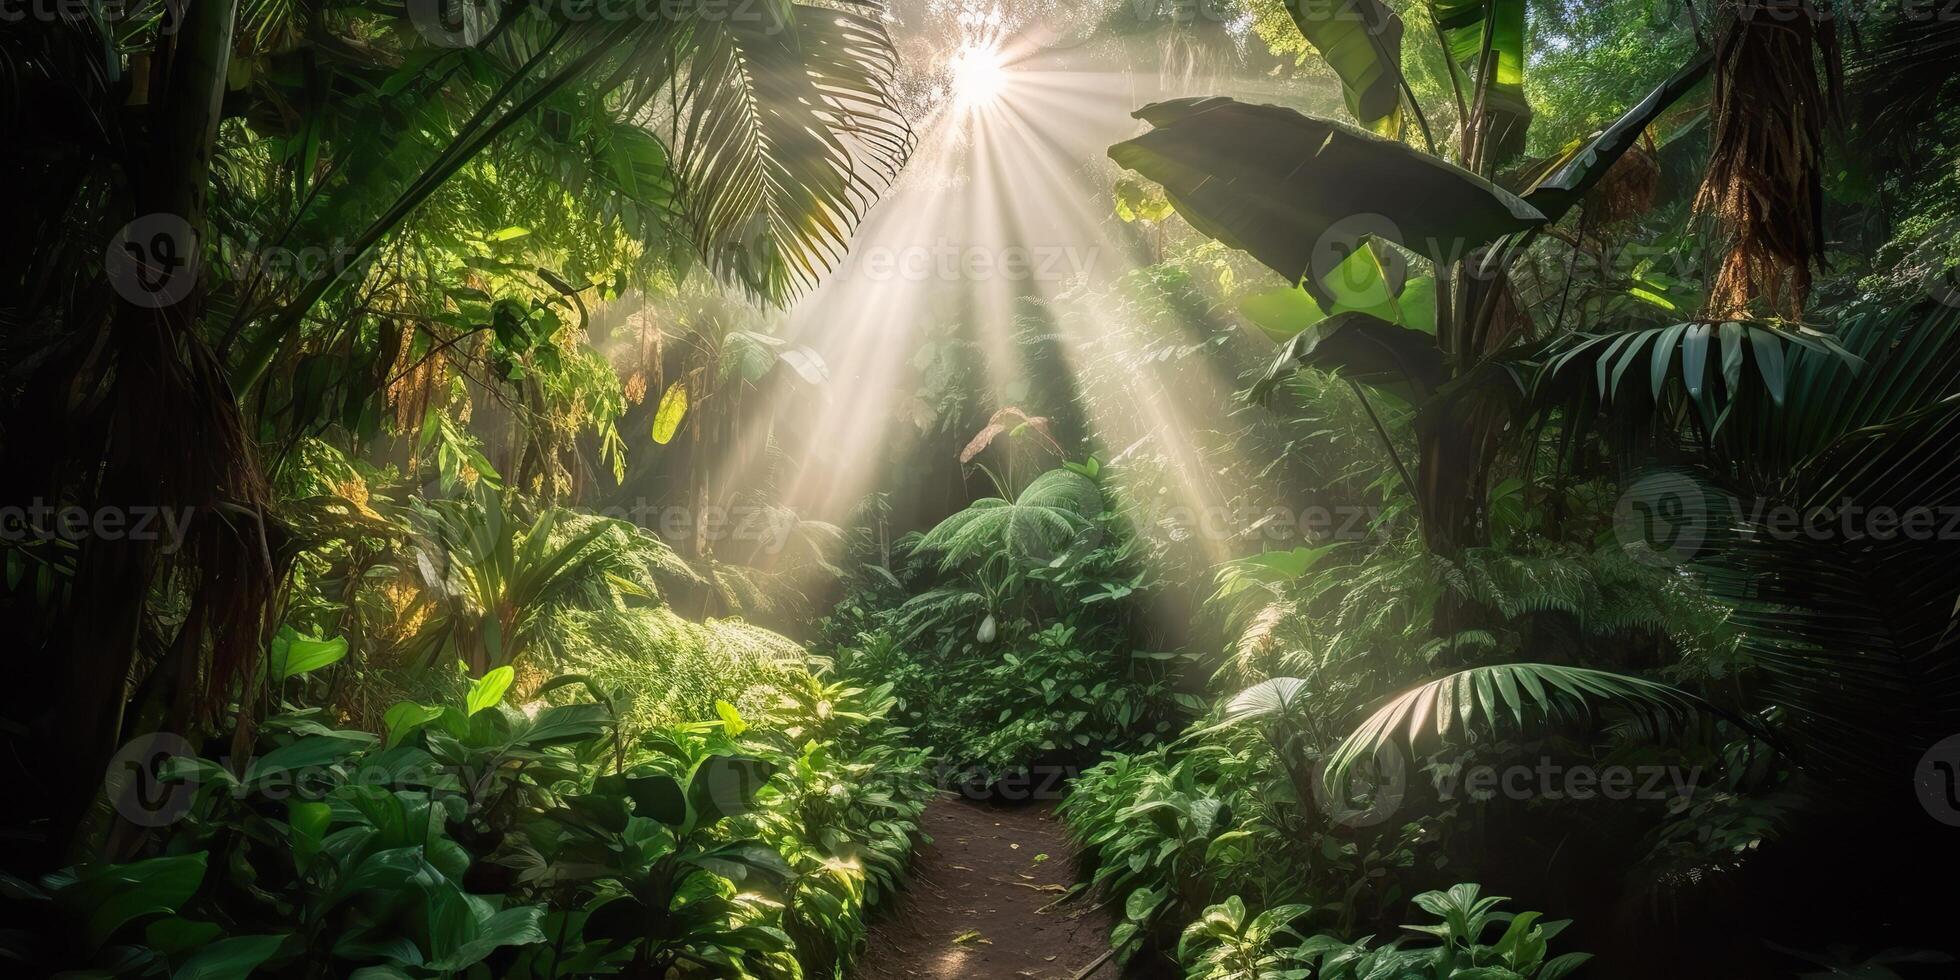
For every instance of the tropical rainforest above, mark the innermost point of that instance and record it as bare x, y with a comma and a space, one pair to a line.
1211, 489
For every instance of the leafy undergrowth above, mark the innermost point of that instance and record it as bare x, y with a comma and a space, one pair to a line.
478, 838
1008, 634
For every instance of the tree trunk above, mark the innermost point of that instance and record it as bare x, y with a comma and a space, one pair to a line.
159, 403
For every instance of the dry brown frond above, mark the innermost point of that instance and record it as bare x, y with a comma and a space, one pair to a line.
1764, 185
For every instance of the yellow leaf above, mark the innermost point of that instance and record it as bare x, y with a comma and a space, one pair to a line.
673, 408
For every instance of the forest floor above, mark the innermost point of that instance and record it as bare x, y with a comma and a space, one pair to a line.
981, 903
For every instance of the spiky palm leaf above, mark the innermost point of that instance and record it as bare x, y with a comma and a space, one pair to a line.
1854, 632
788, 134
1269, 698
1487, 699
491, 577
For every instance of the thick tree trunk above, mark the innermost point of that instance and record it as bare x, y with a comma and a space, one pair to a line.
157, 406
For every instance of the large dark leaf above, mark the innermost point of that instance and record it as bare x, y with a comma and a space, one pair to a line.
1277, 183
1362, 41
1910, 349
725, 786
1366, 349
107, 896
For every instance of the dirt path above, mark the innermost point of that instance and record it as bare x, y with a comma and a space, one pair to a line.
974, 910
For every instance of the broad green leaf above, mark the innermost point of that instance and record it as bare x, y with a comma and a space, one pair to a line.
311, 752
293, 654
1464, 25
488, 691
1282, 313
510, 927
1363, 349
1361, 40
564, 723
105, 897
725, 785
233, 958
403, 719
309, 821
657, 797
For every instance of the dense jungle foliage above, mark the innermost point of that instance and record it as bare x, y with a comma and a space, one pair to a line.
1421, 488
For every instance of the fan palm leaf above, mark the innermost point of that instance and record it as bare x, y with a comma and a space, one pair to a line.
1036, 525
1486, 699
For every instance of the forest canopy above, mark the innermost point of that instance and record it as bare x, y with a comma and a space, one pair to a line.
925, 488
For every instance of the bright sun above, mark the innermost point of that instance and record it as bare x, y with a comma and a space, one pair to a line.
979, 75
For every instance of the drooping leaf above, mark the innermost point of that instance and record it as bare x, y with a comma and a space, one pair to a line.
788, 131
1507, 697
292, 654
107, 896
1300, 193
1559, 190
1365, 349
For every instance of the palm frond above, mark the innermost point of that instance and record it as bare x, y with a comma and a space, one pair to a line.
1487, 699
1853, 628
789, 133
